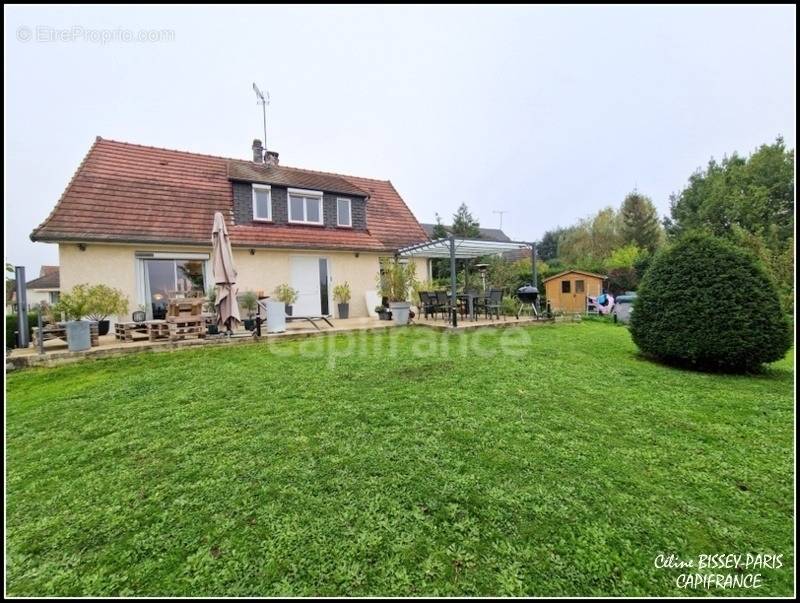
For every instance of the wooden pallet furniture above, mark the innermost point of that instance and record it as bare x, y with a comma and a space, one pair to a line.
175, 328
59, 331
124, 331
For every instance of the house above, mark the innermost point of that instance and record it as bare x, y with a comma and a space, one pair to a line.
568, 291
45, 288
139, 219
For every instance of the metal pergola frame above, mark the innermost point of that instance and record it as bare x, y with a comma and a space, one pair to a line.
461, 248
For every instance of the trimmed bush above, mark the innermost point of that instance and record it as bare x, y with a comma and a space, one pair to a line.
11, 327
706, 304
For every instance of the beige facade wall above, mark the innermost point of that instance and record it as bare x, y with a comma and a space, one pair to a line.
116, 266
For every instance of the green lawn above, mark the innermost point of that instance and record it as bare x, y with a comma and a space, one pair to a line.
402, 467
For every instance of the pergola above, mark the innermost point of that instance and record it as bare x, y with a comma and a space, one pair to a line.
459, 248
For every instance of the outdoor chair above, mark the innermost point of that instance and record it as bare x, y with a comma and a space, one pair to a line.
492, 303
443, 303
428, 303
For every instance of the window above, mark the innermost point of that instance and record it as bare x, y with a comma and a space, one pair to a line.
262, 203
305, 207
565, 288
54, 297
580, 286
343, 213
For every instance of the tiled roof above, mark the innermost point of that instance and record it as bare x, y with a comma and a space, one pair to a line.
47, 270
131, 193
50, 280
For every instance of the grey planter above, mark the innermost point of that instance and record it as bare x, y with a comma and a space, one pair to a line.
344, 310
79, 335
400, 312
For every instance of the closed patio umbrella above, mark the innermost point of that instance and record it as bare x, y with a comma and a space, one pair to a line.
224, 276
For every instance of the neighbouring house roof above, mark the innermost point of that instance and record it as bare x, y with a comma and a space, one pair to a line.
489, 234
49, 280
550, 278
47, 270
124, 192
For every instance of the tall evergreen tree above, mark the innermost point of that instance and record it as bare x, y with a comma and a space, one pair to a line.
464, 223
640, 223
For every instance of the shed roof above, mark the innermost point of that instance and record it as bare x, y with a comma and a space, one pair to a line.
550, 278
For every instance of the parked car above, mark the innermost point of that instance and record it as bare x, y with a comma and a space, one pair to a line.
623, 307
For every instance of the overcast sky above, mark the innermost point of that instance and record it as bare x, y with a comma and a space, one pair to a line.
546, 113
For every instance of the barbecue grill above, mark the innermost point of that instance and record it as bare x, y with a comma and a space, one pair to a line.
528, 295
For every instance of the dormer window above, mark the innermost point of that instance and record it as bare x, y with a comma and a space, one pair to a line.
262, 203
305, 207
344, 215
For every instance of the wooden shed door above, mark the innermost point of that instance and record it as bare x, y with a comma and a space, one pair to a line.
579, 297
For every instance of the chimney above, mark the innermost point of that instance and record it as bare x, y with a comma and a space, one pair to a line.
271, 158
258, 151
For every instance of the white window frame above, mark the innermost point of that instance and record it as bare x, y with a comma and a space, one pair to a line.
349, 212
256, 217
300, 192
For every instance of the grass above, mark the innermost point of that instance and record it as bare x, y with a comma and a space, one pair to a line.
418, 464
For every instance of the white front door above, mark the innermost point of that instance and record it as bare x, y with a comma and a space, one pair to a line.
310, 277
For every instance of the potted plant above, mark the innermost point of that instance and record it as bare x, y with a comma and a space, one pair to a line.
284, 293
395, 281
342, 294
383, 313
249, 302
74, 305
103, 301
211, 308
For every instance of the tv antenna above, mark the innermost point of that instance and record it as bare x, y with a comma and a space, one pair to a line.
263, 100
501, 212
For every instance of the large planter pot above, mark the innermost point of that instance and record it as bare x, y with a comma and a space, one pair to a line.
400, 312
344, 310
249, 324
103, 327
79, 335
288, 309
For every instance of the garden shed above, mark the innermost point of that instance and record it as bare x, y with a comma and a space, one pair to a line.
567, 291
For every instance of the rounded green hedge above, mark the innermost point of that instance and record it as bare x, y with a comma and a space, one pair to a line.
706, 304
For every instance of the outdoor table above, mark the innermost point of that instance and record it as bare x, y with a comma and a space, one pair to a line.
59, 331
470, 298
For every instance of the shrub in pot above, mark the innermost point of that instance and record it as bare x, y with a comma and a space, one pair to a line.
342, 295
383, 313
103, 301
74, 305
211, 307
395, 281
284, 293
249, 302
706, 304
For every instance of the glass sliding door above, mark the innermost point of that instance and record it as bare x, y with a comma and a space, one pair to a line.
323, 286
164, 278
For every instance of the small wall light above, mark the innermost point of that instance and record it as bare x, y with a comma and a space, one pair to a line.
82, 246
357, 254
252, 252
